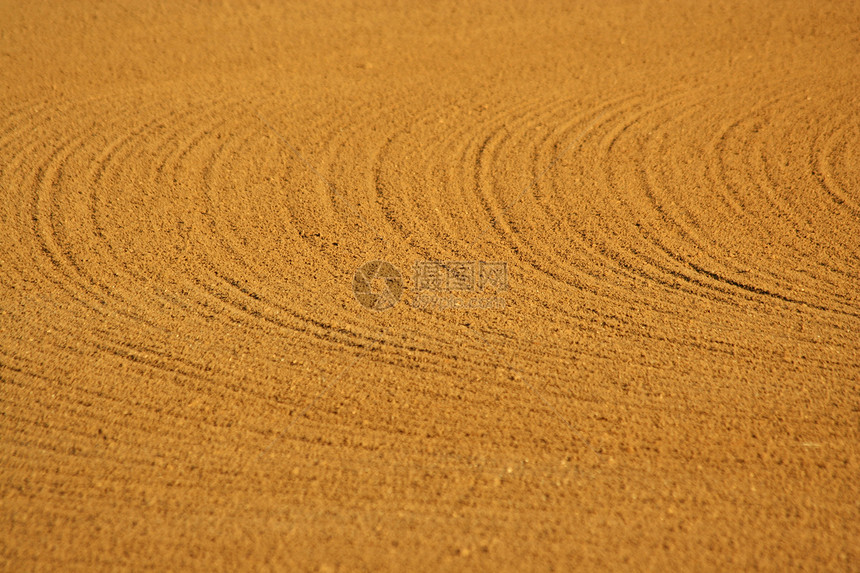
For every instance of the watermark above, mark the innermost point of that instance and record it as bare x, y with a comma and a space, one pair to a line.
427, 300
470, 276
377, 285
466, 285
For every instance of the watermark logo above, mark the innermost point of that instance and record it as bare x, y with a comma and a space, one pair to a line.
437, 284
377, 285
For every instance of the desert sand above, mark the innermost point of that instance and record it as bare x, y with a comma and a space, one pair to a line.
667, 378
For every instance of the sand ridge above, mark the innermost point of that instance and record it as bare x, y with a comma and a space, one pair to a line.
189, 380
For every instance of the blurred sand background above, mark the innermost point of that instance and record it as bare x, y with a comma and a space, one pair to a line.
188, 382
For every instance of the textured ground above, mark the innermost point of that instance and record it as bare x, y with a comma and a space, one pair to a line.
188, 381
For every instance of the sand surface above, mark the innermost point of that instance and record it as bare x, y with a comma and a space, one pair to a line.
668, 382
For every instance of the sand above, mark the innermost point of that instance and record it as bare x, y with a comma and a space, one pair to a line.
666, 379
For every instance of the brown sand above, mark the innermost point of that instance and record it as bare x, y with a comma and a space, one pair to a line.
188, 380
